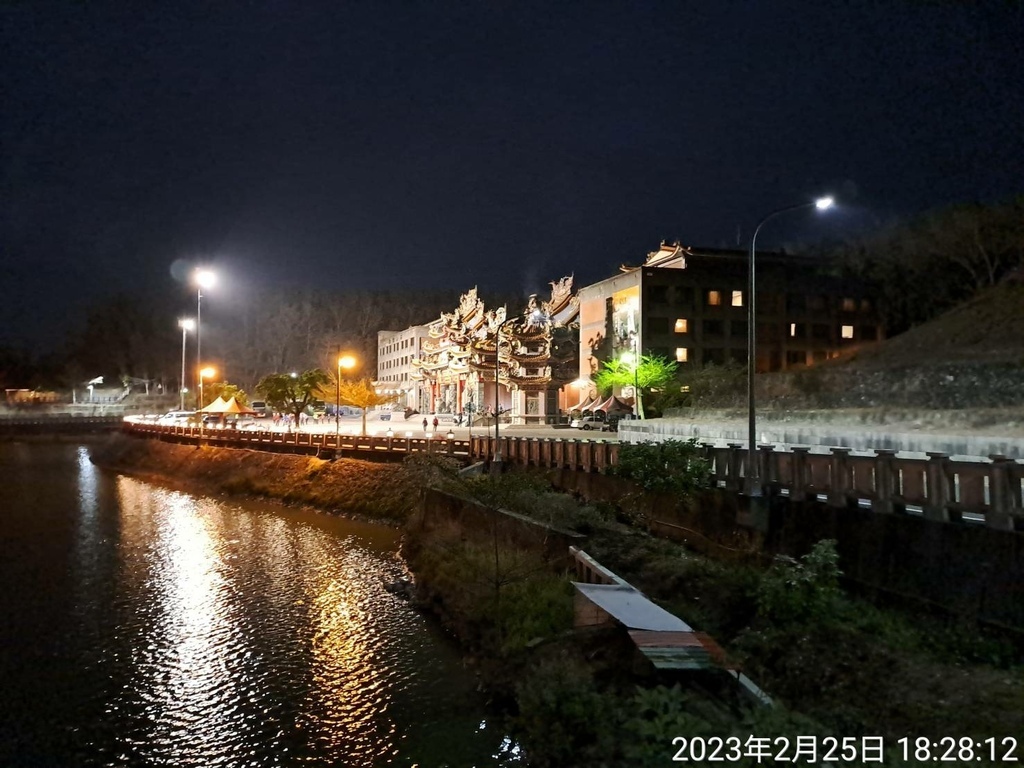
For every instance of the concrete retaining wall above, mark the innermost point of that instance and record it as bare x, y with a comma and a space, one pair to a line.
787, 435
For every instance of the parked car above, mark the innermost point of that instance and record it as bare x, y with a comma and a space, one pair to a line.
176, 418
587, 423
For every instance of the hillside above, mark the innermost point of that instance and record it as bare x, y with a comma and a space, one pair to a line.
986, 329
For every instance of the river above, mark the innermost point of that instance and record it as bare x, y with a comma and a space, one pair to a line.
144, 626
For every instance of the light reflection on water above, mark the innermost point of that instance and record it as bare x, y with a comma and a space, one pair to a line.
191, 631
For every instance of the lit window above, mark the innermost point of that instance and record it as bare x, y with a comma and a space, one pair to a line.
792, 329
682, 353
847, 331
737, 298
849, 305
714, 298
681, 325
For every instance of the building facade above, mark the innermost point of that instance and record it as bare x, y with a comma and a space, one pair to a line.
690, 305
475, 361
396, 351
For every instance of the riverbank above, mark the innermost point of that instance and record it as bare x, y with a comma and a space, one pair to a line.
380, 492
839, 665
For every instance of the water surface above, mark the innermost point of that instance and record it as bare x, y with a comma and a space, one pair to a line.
145, 626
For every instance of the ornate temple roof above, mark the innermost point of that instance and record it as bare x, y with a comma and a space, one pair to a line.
464, 340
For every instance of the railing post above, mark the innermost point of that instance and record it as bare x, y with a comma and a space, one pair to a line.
769, 469
798, 491
733, 481
1004, 494
937, 503
885, 480
839, 483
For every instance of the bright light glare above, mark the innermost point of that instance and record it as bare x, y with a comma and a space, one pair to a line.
205, 278
824, 203
187, 324
208, 373
346, 361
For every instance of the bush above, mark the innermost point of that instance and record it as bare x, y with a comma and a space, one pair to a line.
677, 467
804, 590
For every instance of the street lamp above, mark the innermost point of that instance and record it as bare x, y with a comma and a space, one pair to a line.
204, 278
204, 373
634, 359
753, 481
186, 324
534, 316
347, 362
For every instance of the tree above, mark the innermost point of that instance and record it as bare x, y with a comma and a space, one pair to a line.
361, 394
223, 389
292, 393
653, 372
923, 267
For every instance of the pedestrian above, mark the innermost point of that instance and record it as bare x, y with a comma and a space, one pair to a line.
435, 423
424, 424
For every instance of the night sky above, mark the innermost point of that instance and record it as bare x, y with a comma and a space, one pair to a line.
344, 145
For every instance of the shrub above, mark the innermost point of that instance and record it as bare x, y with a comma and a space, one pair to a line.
804, 590
677, 467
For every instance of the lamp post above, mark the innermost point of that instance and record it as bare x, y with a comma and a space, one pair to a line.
186, 324
634, 358
536, 315
204, 373
497, 373
753, 479
204, 278
347, 362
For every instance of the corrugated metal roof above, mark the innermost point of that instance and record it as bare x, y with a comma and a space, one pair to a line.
672, 650
629, 606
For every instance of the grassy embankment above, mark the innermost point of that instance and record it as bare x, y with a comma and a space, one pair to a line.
375, 491
837, 664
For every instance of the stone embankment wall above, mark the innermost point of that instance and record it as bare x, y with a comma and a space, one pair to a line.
821, 429
938, 387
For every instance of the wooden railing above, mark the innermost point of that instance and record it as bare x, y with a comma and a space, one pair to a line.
302, 442
937, 488
989, 492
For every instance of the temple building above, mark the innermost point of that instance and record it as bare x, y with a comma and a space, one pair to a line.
475, 360
690, 305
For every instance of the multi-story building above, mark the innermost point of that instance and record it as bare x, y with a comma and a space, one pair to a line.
396, 351
690, 305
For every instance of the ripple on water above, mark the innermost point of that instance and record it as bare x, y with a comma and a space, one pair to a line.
212, 634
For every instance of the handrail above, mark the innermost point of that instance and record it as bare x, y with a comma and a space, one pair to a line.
936, 488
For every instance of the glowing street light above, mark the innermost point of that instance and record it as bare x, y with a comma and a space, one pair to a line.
348, 362
753, 481
186, 324
204, 278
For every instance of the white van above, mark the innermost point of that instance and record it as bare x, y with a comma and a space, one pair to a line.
176, 417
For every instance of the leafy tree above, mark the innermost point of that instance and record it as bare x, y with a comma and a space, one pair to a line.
653, 372
361, 394
923, 267
293, 394
223, 389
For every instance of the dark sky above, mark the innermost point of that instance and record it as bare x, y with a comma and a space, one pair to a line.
429, 144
